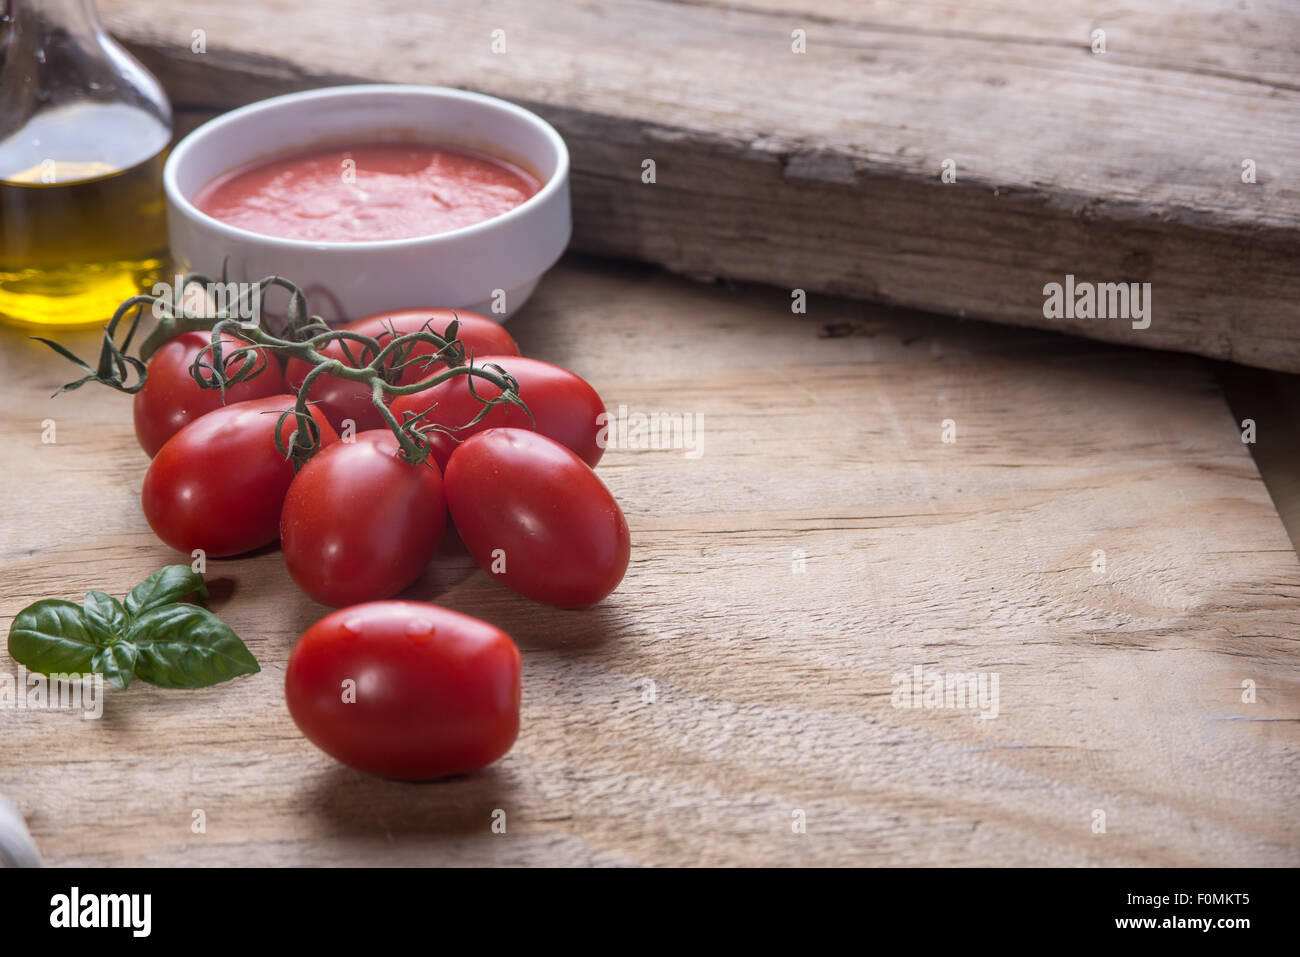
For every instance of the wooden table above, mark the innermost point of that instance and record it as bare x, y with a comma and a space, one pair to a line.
825, 540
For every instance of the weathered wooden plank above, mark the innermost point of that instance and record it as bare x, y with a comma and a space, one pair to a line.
1120, 690
821, 170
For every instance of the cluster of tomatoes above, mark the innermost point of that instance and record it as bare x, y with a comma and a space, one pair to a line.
433, 692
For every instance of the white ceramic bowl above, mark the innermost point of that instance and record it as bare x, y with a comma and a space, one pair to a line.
460, 269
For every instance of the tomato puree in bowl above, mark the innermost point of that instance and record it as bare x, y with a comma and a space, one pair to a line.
369, 192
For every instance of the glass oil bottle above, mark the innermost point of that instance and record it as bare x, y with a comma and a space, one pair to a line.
84, 132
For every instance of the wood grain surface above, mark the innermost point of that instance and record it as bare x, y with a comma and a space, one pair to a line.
824, 540
821, 170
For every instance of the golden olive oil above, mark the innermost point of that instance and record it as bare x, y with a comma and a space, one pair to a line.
78, 233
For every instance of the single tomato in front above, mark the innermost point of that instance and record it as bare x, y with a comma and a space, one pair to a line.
405, 690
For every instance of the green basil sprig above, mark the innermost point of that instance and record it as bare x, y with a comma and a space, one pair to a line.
154, 635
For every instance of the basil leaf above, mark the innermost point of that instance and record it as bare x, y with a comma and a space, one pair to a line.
105, 616
185, 646
166, 585
116, 663
51, 637
153, 636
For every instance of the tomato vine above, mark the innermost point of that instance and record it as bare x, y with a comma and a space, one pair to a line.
303, 337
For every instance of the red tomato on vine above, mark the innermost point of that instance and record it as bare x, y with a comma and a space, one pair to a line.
564, 406
360, 523
171, 399
218, 484
344, 400
537, 518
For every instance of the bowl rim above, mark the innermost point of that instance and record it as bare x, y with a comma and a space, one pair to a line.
557, 182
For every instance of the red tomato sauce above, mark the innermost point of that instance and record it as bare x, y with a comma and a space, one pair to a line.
368, 192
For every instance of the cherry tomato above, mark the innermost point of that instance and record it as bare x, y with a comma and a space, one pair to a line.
405, 690
171, 399
564, 406
344, 400
359, 522
537, 518
218, 483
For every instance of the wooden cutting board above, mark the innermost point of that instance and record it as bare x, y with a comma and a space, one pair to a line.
824, 541
825, 169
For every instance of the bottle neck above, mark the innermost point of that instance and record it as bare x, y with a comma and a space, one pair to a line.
57, 56
45, 21
45, 42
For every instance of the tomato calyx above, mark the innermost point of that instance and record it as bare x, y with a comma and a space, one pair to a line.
239, 350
